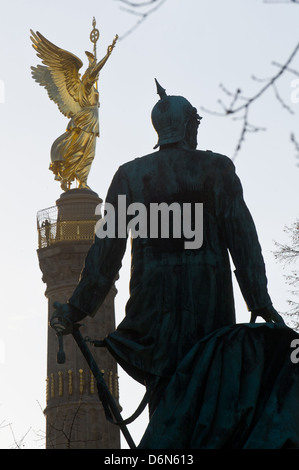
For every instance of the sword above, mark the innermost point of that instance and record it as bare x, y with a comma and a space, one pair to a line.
110, 407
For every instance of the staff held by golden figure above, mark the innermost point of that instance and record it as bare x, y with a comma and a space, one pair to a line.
78, 99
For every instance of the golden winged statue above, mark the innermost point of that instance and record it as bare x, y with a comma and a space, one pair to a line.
78, 99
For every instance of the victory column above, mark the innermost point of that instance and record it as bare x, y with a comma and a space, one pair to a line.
75, 417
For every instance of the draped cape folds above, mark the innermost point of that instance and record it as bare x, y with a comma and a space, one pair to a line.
236, 389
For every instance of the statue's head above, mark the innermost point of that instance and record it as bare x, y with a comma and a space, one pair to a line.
92, 63
91, 58
175, 120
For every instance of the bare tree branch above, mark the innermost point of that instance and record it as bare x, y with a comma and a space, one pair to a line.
66, 435
296, 144
240, 104
282, 1
289, 253
283, 104
138, 5
18, 443
133, 9
288, 69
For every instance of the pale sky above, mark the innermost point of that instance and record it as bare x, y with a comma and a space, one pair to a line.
190, 46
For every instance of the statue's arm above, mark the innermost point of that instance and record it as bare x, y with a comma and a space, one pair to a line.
102, 264
102, 62
243, 244
103, 260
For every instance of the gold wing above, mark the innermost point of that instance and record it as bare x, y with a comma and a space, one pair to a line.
59, 74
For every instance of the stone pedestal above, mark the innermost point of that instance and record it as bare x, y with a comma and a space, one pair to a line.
74, 413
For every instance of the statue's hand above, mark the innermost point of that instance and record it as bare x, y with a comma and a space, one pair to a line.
269, 314
110, 48
63, 318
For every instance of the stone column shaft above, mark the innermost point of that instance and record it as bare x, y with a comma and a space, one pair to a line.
74, 414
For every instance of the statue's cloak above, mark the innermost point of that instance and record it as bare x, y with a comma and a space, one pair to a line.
236, 389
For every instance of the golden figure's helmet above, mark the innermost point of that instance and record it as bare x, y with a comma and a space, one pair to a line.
170, 117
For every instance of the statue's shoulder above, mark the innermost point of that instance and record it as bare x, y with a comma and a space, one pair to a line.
136, 163
218, 160
216, 156
149, 162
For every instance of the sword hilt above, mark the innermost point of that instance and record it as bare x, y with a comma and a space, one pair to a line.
60, 353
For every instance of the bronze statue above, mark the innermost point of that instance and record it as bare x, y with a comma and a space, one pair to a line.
78, 99
180, 314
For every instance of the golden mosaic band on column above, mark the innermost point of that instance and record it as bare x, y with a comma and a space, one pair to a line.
64, 383
70, 381
60, 383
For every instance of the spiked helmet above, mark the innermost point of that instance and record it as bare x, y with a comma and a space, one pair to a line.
170, 117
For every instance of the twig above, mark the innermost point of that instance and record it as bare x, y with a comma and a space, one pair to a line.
283, 104
235, 107
247, 127
293, 139
281, 1
295, 72
269, 84
296, 144
66, 434
19, 443
143, 15
137, 5
289, 252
